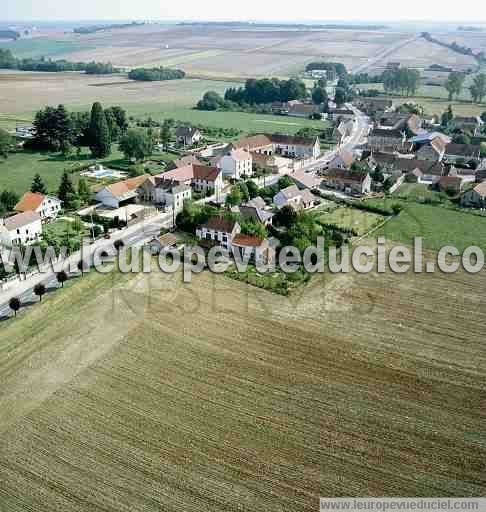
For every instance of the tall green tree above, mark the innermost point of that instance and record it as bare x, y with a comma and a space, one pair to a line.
447, 117
165, 134
99, 133
319, 95
84, 193
38, 185
136, 144
455, 84
5, 143
478, 88
8, 200
340, 96
66, 192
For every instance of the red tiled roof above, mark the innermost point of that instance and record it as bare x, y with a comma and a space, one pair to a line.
247, 240
346, 175
204, 172
123, 187
219, 223
30, 201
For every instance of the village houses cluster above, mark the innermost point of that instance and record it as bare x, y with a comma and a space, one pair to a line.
398, 147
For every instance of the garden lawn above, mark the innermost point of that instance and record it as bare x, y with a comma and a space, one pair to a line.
350, 218
18, 170
438, 226
417, 192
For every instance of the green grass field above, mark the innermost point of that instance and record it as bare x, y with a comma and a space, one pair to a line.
248, 123
417, 192
360, 221
18, 170
437, 225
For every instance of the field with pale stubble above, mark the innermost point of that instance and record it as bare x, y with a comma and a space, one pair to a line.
136, 393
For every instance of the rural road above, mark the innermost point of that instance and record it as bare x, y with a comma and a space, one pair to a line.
383, 54
360, 132
131, 236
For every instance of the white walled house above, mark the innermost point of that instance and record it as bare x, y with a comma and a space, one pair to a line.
297, 199
172, 197
251, 248
202, 178
286, 145
21, 229
208, 180
188, 135
349, 182
296, 147
48, 207
218, 231
236, 164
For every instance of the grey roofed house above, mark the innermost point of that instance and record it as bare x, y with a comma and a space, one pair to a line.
186, 131
250, 212
304, 180
219, 223
292, 140
463, 150
427, 137
387, 133
290, 192
256, 202
407, 165
382, 159
347, 175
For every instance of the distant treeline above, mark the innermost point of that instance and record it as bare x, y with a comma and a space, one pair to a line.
9, 34
455, 47
156, 74
222, 24
98, 28
8, 61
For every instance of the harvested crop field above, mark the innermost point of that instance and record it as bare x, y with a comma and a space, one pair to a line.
224, 51
22, 93
131, 393
421, 54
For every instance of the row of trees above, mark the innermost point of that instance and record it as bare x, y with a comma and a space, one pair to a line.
59, 130
8, 61
156, 74
6, 142
403, 80
478, 88
40, 289
455, 85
